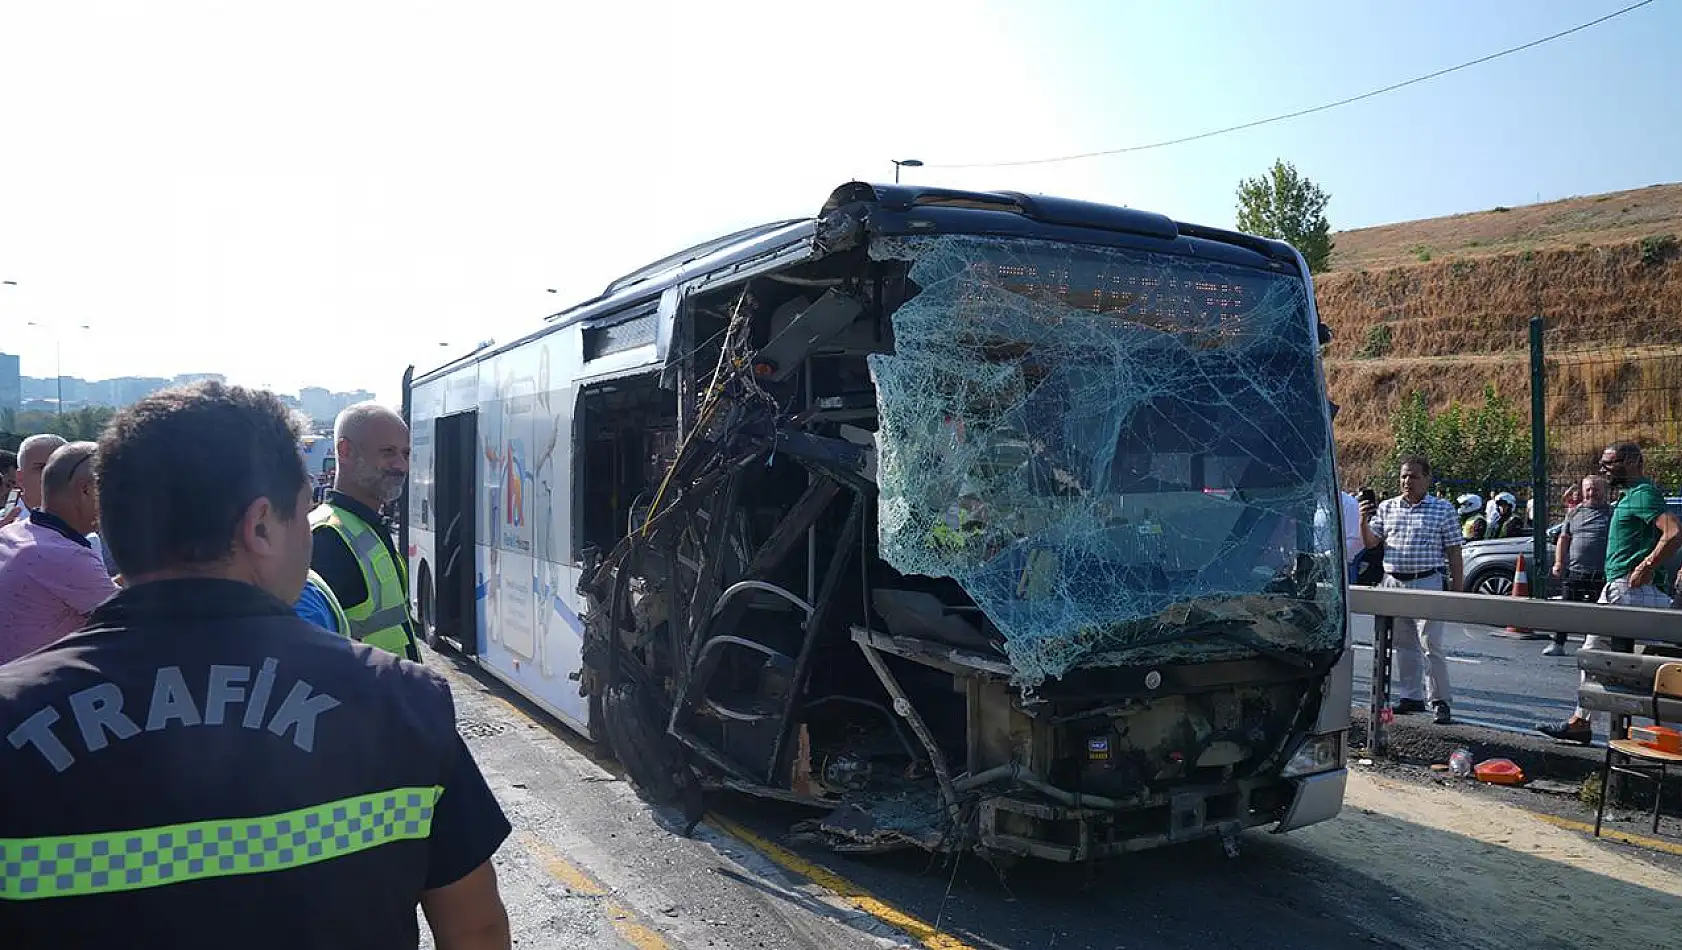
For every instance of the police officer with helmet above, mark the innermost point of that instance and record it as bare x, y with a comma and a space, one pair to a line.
199, 767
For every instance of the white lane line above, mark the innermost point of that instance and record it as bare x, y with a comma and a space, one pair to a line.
1451, 659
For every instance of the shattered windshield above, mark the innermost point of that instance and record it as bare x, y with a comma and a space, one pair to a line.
1120, 455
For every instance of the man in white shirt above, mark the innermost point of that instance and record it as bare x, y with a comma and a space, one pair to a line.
1352, 543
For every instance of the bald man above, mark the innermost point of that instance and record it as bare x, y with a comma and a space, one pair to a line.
32, 459
50, 576
352, 550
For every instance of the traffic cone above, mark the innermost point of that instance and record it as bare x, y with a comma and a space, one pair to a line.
1521, 588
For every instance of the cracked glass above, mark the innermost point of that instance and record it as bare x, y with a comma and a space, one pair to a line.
1120, 455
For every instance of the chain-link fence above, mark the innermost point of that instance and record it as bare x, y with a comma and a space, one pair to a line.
1602, 391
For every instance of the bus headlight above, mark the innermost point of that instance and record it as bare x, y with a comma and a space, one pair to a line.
1316, 754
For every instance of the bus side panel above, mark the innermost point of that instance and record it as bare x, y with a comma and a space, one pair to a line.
533, 636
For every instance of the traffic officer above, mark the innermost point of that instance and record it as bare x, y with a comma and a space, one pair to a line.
199, 767
318, 605
353, 552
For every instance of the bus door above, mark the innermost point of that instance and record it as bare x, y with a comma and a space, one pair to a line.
455, 449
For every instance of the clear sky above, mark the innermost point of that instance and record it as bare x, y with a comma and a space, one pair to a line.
324, 192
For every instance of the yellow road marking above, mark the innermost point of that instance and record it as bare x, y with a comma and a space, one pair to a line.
1640, 841
924, 933
633, 933
619, 917
563, 870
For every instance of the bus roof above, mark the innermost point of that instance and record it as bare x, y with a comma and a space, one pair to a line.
985, 210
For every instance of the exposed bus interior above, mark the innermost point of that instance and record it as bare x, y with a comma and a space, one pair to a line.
755, 625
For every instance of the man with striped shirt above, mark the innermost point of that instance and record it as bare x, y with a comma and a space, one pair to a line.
1421, 537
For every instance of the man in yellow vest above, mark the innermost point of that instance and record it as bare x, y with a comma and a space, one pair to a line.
352, 551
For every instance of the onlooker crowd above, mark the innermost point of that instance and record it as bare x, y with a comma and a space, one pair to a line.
295, 730
1617, 535
50, 577
1641, 536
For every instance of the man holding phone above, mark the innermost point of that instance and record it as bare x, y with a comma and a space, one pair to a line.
1421, 537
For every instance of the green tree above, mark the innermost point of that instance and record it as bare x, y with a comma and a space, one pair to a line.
1480, 449
1284, 205
84, 424
1411, 427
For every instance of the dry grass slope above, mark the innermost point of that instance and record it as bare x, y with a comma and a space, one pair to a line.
1613, 218
1613, 298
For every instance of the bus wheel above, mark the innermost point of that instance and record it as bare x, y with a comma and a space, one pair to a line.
635, 738
428, 610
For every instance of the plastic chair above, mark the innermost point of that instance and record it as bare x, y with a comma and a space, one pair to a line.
1639, 760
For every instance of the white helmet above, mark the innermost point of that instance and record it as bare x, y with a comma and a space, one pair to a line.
1469, 504
1509, 498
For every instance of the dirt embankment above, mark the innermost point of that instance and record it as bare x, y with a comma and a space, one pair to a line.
1613, 218
1448, 327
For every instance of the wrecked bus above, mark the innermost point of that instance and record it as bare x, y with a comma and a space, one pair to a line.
971, 520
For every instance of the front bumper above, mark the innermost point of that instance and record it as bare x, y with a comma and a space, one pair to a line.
1063, 833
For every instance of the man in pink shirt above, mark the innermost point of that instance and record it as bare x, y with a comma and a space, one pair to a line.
50, 576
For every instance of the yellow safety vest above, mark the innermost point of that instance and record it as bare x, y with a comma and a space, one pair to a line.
343, 623
381, 620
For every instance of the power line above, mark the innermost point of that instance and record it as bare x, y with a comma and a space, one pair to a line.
1300, 112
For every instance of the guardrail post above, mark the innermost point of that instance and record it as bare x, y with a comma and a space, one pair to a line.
1383, 629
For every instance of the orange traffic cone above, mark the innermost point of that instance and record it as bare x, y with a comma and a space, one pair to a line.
1521, 588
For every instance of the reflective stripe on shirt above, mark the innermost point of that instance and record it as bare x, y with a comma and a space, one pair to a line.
75, 865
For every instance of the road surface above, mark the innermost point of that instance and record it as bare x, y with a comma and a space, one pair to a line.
1408, 864
1494, 681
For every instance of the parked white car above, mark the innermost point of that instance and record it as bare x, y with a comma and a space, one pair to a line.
1490, 564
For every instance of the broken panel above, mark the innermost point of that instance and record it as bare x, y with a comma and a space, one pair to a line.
1119, 454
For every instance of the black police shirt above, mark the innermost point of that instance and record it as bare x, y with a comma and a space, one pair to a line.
201, 768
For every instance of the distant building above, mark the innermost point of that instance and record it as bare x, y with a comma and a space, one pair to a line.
30, 393
11, 384
127, 390
317, 403
188, 378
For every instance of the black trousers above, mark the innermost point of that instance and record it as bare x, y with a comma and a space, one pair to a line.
1582, 588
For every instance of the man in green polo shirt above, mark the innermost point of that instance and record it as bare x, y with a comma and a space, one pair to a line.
1643, 535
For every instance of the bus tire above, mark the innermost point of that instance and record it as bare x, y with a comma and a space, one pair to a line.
637, 740
428, 609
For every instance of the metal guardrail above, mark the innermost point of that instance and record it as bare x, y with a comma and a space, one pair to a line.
1621, 682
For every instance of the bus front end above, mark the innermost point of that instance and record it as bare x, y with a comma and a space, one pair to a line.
1054, 570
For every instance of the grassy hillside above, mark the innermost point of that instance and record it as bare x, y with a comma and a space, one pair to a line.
1606, 272
1617, 217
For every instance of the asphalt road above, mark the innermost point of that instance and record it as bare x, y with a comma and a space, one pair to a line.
1494, 681
591, 866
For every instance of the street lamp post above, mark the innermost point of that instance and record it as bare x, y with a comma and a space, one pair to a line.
58, 359
905, 162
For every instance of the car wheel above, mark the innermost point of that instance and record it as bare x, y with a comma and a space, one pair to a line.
1495, 581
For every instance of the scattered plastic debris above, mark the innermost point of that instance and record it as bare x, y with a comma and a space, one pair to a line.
1460, 763
1499, 772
